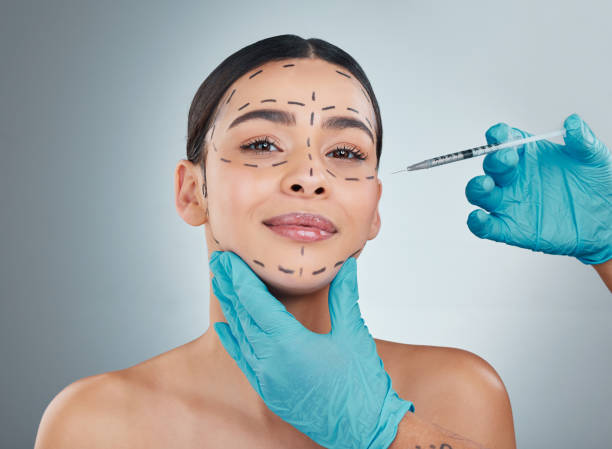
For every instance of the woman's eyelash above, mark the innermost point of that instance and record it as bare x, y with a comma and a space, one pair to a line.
267, 142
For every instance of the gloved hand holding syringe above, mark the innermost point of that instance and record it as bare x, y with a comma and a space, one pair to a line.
477, 151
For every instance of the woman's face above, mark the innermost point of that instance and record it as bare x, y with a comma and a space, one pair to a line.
295, 159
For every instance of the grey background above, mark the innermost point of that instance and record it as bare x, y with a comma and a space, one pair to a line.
99, 272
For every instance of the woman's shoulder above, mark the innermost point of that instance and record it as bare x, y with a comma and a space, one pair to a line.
452, 387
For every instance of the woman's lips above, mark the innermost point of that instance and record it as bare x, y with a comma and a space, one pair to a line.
301, 233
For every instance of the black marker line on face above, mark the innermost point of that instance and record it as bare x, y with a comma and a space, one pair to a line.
351, 109
343, 74
300, 271
302, 250
250, 165
309, 155
268, 100
230, 97
369, 177
369, 124
351, 179
214, 147
285, 270
225, 160
213, 132
319, 271
243, 106
313, 96
279, 163
340, 262
256, 73
308, 142
296, 102
311, 171
365, 94
288, 65
216, 241
330, 173
355, 252
311, 118
259, 263
204, 193
327, 107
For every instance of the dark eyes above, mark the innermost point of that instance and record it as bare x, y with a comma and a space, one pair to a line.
262, 145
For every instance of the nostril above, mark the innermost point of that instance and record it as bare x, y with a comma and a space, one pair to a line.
295, 187
319, 190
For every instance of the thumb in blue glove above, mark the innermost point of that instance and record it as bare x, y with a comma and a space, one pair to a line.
332, 387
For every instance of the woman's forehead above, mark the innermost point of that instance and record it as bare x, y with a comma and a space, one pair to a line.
296, 82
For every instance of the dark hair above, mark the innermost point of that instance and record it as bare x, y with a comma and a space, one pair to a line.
276, 48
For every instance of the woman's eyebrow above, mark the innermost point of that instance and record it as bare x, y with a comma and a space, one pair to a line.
288, 119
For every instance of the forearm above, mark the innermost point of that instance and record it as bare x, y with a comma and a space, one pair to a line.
414, 432
605, 272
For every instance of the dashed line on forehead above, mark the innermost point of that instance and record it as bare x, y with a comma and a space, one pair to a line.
351, 109
230, 97
288, 65
343, 74
296, 102
327, 107
256, 73
268, 100
243, 106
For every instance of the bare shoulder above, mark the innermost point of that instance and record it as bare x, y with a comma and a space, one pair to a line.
454, 388
90, 412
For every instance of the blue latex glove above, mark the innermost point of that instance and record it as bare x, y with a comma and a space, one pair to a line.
547, 197
332, 387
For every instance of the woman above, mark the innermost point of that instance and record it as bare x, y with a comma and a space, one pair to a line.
284, 141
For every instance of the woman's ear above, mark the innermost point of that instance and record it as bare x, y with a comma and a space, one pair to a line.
190, 194
375, 225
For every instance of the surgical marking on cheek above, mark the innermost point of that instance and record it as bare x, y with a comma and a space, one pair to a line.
343, 74
330, 173
279, 163
311, 171
243, 106
313, 96
259, 263
288, 65
225, 160
230, 97
212, 133
308, 142
250, 165
340, 262
351, 109
319, 271
268, 100
256, 73
355, 252
351, 179
296, 102
372, 129
309, 155
285, 270
369, 177
327, 107
311, 118
216, 241
214, 147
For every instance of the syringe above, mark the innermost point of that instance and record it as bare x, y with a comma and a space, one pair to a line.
477, 151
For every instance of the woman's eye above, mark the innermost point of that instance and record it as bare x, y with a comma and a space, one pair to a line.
259, 146
348, 153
